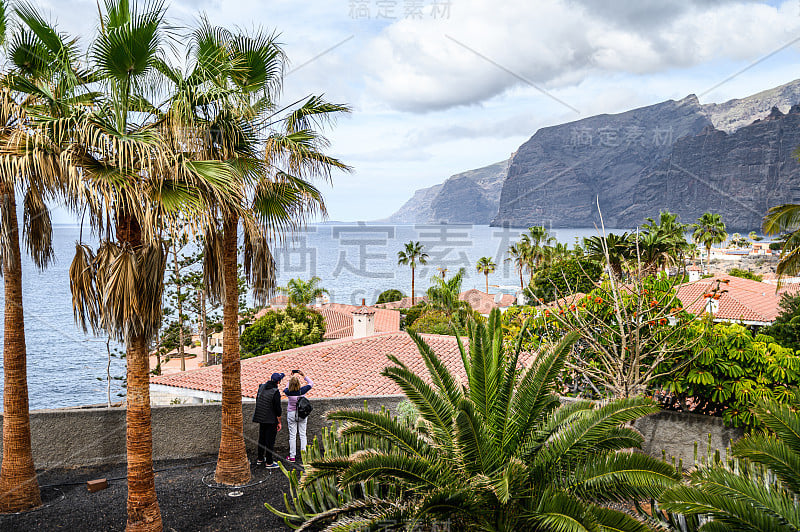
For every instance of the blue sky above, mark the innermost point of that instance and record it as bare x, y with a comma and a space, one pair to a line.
438, 87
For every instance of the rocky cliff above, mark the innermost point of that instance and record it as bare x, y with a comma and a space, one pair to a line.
677, 155
468, 197
734, 158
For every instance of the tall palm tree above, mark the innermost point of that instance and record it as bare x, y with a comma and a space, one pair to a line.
499, 453
518, 254
535, 241
41, 79
302, 292
785, 220
486, 266
228, 103
444, 295
412, 255
135, 185
758, 490
709, 230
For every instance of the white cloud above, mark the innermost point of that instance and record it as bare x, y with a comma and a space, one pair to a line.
414, 66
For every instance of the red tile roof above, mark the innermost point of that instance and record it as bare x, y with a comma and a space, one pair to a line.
340, 368
402, 303
740, 299
484, 303
339, 320
563, 302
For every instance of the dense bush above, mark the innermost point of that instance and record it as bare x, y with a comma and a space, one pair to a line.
786, 327
410, 315
563, 278
744, 274
387, 296
725, 371
282, 329
775, 246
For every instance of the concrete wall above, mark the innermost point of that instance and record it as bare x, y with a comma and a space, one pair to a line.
83, 436
675, 434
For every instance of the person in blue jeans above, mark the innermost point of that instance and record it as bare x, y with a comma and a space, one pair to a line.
268, 415
297, 426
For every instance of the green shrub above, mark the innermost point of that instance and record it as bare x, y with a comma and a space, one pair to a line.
432, 322
786, 327
776, 246
744, 274
387, 296
563, 278
410, 315
282, 329
726, 371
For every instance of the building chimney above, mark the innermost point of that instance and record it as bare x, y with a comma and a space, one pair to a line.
363, 321
712, 305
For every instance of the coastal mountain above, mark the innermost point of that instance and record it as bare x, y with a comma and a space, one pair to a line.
469, 197
734, 158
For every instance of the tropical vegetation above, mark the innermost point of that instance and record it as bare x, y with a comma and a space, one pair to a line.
786, 327
784, 220
486, 266
281, 329
709, 230
389, 296
499, 453
300, 292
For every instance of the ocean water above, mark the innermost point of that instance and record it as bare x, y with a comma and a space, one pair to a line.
355, 261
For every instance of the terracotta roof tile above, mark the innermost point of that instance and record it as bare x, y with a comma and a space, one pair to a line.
340, 368
740, 299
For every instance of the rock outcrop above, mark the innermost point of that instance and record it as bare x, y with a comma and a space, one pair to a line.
470, 197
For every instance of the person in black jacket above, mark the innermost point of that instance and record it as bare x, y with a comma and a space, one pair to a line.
268, 415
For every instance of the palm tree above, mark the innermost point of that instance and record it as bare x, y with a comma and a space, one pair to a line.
413, 254
135, 184
759, 489
535, 241
228, 104
302, 292
613, 251
709, 230
498, 453
41, 78
518, 254
486, 266
444, 295
785, 220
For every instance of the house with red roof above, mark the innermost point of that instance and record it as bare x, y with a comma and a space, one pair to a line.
731, 299
349, 367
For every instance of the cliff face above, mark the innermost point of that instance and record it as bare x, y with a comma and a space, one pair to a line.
733, 158
557, 176
739, 175
468, 197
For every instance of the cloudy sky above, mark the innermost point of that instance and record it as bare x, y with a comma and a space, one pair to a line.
438, 87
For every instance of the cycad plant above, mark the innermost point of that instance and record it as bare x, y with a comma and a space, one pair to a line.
494, 449
757, 490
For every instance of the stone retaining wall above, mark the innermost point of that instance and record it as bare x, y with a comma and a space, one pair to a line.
71, 437
85, 436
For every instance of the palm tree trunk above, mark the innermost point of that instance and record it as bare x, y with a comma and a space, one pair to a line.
412, 287
144, 514
232, 465
203, 326
177, 271
487, 282
19, 488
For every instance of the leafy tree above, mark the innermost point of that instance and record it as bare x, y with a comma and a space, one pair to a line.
486, 265
724, 371
737, 240
755, 237
786, 327
562, 279
626, 333
302, 292
709, 230
757, 489
500, 453
744, 274
282, 329
412, 255
388, 296
412, 314
432, 322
